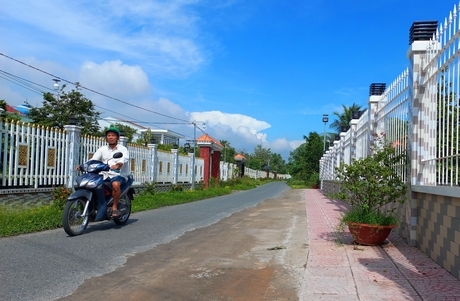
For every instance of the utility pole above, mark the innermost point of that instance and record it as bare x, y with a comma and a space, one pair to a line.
194, 154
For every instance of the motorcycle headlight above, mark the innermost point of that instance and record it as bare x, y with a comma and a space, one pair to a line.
91, 184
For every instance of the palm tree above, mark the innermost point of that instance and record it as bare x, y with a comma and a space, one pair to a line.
343, 119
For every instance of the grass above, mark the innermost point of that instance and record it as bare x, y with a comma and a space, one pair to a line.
301, 184
146, 201
21, 221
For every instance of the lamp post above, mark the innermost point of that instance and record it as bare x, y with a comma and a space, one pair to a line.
325, 120
56, 87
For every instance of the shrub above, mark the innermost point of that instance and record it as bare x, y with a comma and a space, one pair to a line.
60, 196
149, 188
370, 183
177, 188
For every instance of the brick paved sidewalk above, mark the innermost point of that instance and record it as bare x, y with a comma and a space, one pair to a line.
394, 271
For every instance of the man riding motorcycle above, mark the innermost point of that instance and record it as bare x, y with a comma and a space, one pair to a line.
118, 173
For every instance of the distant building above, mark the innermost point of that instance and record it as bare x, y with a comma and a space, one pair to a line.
21, 114
161, 136
24, 108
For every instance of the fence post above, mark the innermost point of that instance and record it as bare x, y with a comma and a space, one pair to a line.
353, 127
123, 140
175, 167
73, 148
373, 107
224, 171
153, 163
421, 132
342, 147
192, 169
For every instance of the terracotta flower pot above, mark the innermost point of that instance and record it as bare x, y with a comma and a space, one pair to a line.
369, 235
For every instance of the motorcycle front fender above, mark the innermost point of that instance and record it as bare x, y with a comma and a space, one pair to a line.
82, 193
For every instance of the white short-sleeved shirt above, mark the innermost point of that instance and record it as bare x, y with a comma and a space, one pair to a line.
105, 153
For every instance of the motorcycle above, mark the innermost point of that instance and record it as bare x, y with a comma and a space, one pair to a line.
90, 187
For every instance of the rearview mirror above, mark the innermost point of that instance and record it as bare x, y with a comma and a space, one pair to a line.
118, 155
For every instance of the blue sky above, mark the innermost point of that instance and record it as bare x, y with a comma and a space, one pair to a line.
255, 72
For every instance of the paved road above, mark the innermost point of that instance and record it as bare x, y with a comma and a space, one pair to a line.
152, 251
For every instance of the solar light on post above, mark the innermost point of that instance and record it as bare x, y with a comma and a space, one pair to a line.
325, 120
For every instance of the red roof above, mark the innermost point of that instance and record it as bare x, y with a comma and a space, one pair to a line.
206, 138
10, 109
239, 157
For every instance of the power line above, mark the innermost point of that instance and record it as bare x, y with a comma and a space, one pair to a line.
20, 81
91, 90
31, 86
26, 84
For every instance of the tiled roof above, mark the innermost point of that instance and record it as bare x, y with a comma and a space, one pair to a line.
207, 138
239, 157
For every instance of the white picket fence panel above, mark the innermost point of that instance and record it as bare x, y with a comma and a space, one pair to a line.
33, 156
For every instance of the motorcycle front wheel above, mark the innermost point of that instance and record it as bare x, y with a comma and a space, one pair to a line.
124, 206
73, 221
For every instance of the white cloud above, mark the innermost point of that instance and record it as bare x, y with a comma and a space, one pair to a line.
162, 34
296, 143
243, 132
234, 121
118, 48
115, 78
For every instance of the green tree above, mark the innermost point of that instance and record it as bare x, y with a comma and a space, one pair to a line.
57, 111
304, 160
260, 157
145, 138
228, 153
277, 164
344, 118
125, 130
5, 115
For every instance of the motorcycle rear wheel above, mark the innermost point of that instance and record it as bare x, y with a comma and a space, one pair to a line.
72, 220
123, 219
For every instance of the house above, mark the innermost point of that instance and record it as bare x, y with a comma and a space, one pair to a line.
15, 111
162, 136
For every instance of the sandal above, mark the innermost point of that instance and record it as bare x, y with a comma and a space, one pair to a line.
115, 213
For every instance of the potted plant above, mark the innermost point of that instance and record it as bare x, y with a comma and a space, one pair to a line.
370, 185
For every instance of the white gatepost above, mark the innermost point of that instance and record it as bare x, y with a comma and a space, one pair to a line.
175, 153
73, 147
153, 162
192, 169
353, 129
123, 140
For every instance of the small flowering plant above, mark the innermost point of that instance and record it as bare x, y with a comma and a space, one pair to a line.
369, 184
60, 195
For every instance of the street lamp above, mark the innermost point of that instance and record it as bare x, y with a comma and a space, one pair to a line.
325, 120
56, 87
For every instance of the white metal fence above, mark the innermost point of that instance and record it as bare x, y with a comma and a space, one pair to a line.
32, 156
419, 112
